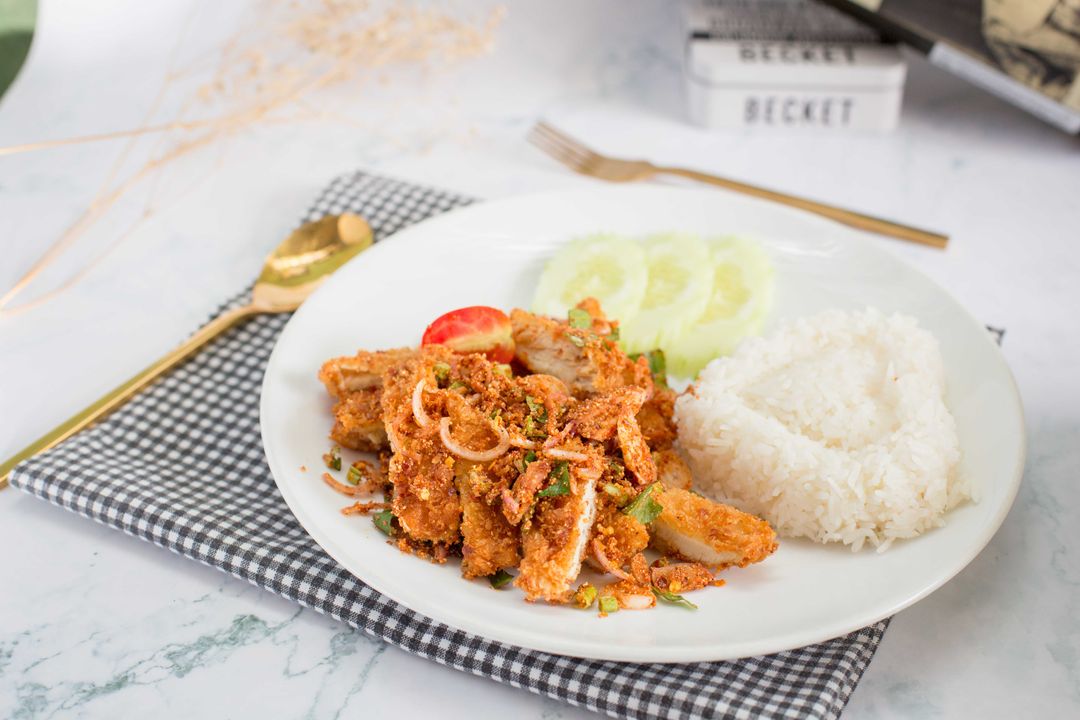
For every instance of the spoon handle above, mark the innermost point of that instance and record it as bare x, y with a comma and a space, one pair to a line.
118, 396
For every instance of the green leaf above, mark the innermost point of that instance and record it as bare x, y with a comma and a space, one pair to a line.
608, 604
527, 458
384, 521
500, 579
644, 508
670, 597
658, 367
580, 319
561, 485
575, 340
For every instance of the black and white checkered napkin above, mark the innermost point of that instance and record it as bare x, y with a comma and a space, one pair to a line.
182, 466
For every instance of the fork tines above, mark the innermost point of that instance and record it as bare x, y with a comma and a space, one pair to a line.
560, 146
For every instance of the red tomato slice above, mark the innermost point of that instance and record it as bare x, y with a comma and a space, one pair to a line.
475, 329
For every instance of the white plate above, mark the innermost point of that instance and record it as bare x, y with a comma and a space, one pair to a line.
492, 254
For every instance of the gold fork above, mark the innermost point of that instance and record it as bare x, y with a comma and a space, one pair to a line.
581, 159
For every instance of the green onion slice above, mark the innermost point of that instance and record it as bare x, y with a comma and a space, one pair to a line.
333, 458
442, 373
608, 604
354, 476
580, 319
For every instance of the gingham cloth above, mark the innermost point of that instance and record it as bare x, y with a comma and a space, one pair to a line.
182, 465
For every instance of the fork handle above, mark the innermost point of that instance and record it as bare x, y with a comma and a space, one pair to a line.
114, 399
847, 217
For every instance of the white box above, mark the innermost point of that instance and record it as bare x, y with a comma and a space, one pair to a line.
743, 84
788, 64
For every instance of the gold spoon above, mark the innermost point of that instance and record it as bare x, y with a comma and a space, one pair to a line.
291, 272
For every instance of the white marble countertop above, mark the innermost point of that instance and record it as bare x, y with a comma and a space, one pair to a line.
96, 624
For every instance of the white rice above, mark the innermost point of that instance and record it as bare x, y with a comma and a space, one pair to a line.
833, 428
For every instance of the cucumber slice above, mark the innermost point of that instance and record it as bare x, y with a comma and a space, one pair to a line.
678, 292
607, 267
741, 300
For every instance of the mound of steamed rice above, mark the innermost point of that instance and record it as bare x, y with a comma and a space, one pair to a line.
832, 428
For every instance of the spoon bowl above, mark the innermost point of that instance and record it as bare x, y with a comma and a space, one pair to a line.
297, 266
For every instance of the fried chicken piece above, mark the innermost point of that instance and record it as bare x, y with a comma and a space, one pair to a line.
672, 470
549, 391
358, 421
615, 534
681, 577
344, 375
583, 360
554, 540
426, 501
657, 419
469, 426
635, 451
611, 415
489, 542
697, 528
517, 502
597, 417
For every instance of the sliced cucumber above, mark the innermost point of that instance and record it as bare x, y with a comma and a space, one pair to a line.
607, 267
678, 292
741, 299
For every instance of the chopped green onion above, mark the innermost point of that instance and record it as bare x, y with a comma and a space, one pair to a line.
536, 408
608, 604
585, 596
333, 459
618, 492
533, 429
674, 599
384, 521
614, 334
457, 384
561, 485
617, 469
575, 340
580, 319
495, 413
500, 579
355, 475
644, 508
442, 373
504, 369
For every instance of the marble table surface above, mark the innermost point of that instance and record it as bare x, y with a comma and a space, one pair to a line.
96, 624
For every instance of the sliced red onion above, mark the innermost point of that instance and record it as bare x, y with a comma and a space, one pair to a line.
465, 453
422, 418
606, 564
